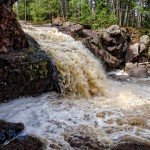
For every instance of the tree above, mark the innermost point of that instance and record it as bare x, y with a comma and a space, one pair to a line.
97, 13
64, 7
44, 10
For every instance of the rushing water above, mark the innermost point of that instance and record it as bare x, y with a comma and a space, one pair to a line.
82, 75
122, 115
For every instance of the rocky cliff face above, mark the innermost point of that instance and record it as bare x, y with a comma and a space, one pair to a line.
12, 38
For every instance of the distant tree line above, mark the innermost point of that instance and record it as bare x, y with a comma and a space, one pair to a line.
98, 13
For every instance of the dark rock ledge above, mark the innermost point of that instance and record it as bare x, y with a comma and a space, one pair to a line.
23, 74
10, 133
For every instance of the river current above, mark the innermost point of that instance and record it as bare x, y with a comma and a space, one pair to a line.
103, 108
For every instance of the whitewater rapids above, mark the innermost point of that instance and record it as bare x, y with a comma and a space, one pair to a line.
122, 115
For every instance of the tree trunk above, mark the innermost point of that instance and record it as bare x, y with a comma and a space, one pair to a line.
120, 16
126, 14
139, 16
64, 7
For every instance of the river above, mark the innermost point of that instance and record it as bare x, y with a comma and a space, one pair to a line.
91, 104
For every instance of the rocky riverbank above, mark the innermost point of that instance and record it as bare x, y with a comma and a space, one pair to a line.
118, 48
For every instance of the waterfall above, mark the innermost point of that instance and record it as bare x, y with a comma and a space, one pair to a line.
122, 116
81, 73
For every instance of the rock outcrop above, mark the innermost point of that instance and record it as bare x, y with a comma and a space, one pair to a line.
11, 132
24, 68
23, 143
109, 45
138, 70
115, 46
24, 74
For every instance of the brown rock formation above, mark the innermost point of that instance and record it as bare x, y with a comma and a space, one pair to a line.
12, 38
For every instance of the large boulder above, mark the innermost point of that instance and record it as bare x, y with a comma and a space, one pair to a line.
135, 52
137, 70
9, 130
114, 41
23, 74
16, 139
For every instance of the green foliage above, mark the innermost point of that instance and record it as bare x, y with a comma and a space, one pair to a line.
22, 9
104, 19
37, 10
42, 9
86, 13
97, 13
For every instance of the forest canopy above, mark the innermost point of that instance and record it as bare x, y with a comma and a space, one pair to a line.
97, 13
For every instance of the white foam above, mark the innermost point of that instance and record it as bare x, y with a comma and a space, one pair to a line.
49, 116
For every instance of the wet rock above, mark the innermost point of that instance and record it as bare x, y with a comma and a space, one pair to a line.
33, 44
55, 146
101, 115
84, 142
106, 38
136, 70
76, 29
131, 146
23, 74
148, 69
104, 114
149, 53
12, 38
121, 121
26, 143
142, 47
110, 61
137, 121
9, 130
